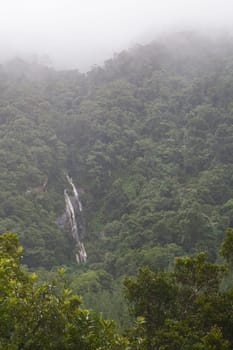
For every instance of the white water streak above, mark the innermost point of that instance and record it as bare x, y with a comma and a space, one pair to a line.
71, 215
76, 195
81, 255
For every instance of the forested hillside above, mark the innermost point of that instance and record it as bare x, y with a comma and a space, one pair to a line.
148, 142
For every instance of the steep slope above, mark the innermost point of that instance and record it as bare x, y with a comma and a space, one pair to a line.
148, 140
152, 145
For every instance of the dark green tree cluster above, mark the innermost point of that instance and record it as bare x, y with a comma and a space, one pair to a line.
186, 309
156, 161
37, 316
148, 140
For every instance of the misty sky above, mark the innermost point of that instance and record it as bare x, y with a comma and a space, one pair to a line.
81, 33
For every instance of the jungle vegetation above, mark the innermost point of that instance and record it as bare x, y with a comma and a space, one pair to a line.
148, 141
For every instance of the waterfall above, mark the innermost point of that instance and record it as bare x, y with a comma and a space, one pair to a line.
75, 192
73, 211
71, 216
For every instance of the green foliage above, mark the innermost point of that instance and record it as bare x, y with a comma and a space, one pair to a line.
198, 274
35, 316
147, 136
183, 309
227, 246
148, 140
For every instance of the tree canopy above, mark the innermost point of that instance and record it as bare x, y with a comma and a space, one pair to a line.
147, 139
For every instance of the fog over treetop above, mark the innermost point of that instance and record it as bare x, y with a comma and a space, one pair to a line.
78, 34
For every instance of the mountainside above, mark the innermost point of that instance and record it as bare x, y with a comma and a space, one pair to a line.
148, 142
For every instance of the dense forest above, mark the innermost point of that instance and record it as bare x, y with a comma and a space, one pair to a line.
146, 141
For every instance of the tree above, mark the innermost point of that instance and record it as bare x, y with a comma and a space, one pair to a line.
152, 298
227, 246
182, 310
37, 316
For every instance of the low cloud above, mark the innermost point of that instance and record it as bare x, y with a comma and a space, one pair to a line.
78, 34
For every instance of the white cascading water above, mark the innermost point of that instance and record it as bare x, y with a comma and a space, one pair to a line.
76, 195
72, 204
71, 216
